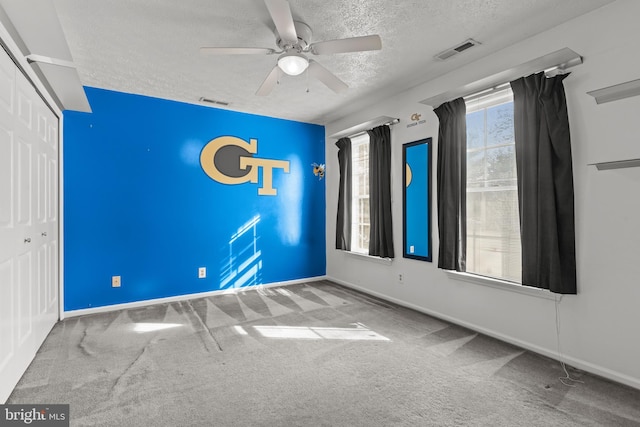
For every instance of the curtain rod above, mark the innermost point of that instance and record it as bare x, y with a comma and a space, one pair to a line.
561, 59
486, 92
549, 72
389, 123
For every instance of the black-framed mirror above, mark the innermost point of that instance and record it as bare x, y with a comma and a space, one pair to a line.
416, 201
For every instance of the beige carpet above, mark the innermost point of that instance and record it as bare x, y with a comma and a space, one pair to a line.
314, 354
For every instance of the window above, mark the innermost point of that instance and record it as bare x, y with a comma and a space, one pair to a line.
363, 222
493, 227
360, 224
477, 142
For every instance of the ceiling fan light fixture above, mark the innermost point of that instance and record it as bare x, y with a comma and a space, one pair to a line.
293, 63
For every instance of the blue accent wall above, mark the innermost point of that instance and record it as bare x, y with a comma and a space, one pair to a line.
137, 203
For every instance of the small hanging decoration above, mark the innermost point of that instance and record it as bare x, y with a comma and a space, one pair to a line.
318, 170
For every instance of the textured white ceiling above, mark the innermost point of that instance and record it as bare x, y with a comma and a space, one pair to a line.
151, 47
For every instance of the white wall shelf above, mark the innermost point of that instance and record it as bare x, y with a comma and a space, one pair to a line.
619, 164
616, 92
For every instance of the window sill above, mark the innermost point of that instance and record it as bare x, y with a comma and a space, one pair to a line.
501, 284
378, 260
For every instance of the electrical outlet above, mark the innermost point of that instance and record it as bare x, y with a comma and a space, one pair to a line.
400, 279
115, 281
202, 272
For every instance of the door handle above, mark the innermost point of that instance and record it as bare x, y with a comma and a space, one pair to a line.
27, 240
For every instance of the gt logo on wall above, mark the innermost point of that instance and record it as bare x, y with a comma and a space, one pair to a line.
229, 160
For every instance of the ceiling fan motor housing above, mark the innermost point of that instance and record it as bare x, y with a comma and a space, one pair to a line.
303, 31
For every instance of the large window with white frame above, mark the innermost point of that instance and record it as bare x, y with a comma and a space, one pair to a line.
493, 228
360, 194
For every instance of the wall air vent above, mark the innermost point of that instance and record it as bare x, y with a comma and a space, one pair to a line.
212, 101
469, 43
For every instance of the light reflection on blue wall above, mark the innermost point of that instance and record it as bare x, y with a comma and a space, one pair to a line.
243, 265
190, 152
291, 192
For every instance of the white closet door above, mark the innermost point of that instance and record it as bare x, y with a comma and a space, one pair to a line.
28, 223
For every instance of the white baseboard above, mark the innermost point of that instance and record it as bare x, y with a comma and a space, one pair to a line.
136, 304
553, 354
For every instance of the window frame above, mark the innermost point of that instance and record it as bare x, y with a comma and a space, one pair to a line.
357, 196
483, 101
491, 282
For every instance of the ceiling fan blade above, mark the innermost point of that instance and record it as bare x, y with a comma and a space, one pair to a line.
270, 82
353, 44
280, 12
327, 77
236, 51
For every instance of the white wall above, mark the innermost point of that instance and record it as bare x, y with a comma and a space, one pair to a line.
600, 327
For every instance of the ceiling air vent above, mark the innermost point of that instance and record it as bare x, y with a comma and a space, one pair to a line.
457, 49
212, 101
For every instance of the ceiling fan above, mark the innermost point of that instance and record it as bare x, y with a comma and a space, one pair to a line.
293, 39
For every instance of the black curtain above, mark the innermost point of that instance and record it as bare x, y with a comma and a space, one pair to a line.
343, 221
381, 233
452, 185
545, 183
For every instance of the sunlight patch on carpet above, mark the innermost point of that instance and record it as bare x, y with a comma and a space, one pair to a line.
153, 327
359, 333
